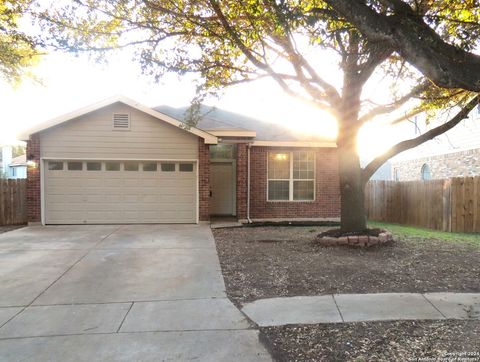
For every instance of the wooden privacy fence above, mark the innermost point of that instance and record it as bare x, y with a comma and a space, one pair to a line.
13, 202
448, 205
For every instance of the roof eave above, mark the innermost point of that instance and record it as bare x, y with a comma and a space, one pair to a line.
321, 144
231, 133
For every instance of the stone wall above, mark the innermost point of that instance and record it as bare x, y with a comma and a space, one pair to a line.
452, 164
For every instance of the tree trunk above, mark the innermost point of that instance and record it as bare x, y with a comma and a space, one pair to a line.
352, 187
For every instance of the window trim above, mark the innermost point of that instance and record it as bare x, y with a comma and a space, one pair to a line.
222, 159
113, 162
99, 170
126, 163
180, 164
168, 163
425, 170
68, 166
291, 179
151, 163
396, 174
55, 161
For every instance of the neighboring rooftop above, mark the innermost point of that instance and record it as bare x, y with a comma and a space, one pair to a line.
213, 118
19, 161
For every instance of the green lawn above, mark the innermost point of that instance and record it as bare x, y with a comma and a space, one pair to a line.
416, 232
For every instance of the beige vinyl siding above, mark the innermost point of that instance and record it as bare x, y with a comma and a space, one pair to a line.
93, 136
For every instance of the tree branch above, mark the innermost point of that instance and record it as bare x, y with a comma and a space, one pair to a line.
387, 108
299, 63
245, 50
373, 166
406, 116
446, 65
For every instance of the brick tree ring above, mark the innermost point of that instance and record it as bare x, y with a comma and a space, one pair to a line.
355, 240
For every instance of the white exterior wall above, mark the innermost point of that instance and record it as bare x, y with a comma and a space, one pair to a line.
20, 172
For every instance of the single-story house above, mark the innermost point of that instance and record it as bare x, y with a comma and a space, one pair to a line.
118, 161
18, 167
12, 167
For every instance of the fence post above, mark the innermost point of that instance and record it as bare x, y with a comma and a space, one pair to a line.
447, 206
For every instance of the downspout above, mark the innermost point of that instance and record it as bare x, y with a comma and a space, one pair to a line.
248, 183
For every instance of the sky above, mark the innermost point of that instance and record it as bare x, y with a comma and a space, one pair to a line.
69, 83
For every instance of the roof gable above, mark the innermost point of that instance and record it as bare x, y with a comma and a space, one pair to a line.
209, 138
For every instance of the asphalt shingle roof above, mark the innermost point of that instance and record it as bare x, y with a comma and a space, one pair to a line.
216, 118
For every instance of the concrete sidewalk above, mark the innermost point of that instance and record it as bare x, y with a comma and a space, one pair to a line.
338, 308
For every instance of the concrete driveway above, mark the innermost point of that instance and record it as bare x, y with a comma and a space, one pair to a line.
118, 293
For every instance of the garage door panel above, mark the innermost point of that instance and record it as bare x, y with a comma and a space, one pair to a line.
180, 185
62, 198
179, 182
66, 207
176, 199
101, 217
55, 182
62, 218
132, 183
147, 183
102, 197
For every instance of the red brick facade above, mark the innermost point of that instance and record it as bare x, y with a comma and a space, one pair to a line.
327, 191
242, 181
33, 180
203, 180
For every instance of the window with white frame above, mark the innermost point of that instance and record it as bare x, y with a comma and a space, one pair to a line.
291, 176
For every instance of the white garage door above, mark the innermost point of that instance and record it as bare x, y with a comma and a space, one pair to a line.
116, 192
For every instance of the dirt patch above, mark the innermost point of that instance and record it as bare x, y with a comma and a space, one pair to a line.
4, 229
265, 262
376, 341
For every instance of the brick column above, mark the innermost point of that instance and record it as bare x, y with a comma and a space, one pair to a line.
203, 180
33, 180
242, 180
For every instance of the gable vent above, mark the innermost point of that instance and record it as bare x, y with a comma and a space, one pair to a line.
121, 121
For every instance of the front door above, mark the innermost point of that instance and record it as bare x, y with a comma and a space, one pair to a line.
222, 201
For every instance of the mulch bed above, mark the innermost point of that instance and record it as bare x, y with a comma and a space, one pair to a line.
265, 262
376, 341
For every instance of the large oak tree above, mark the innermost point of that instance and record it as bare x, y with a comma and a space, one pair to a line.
18, 51
236, 41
